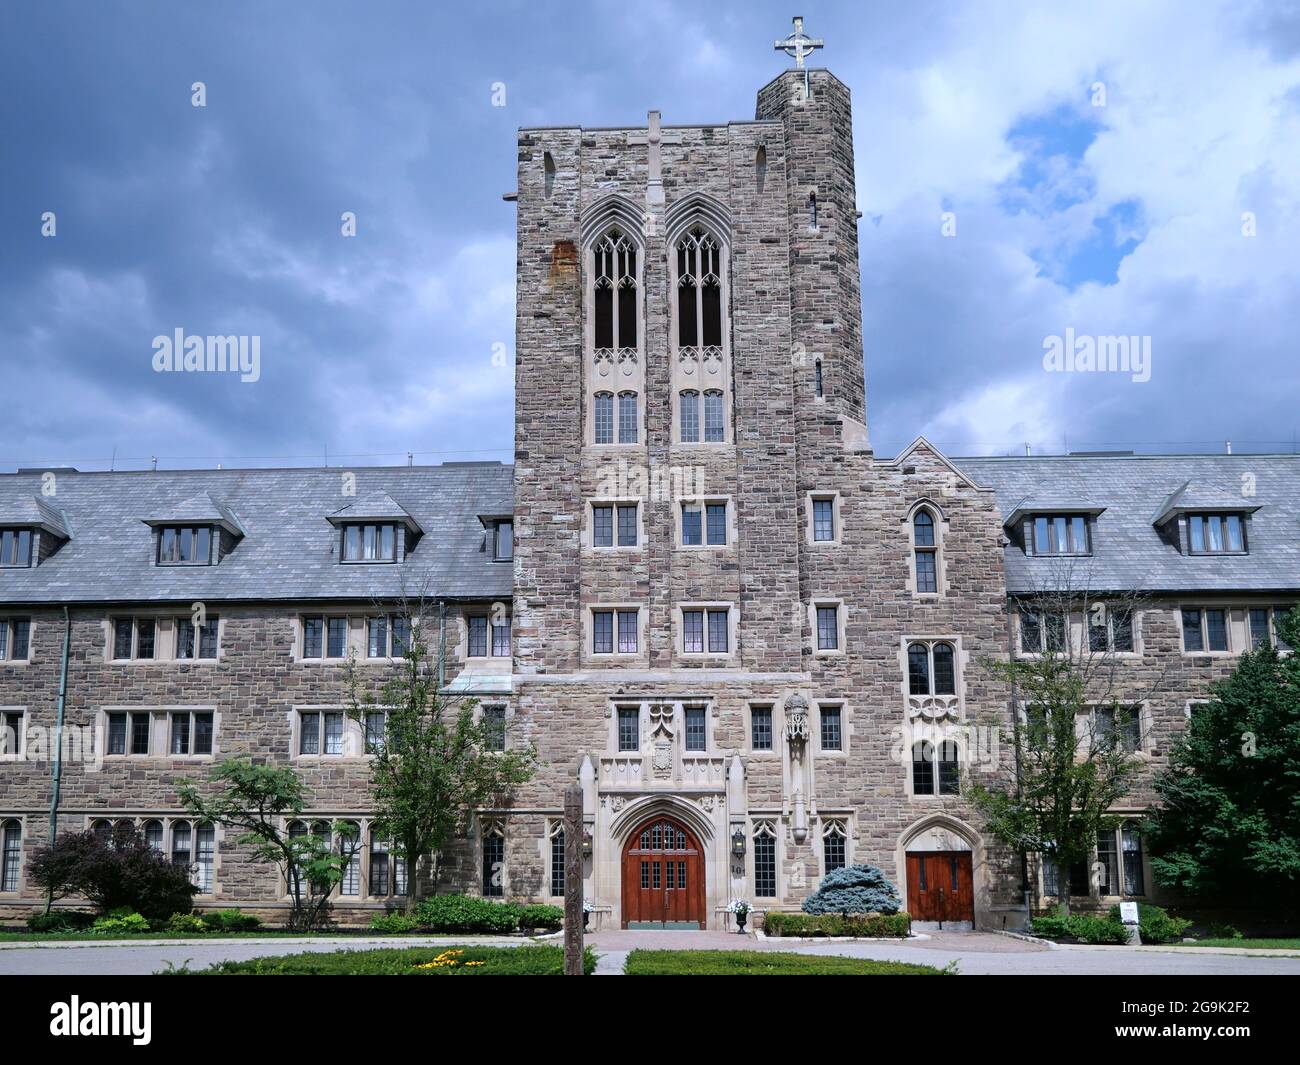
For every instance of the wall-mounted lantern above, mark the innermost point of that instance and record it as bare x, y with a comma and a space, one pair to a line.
738, 842
586, 843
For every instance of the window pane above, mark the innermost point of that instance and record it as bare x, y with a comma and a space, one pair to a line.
627, 427
764, 866
949, 769
376, 637
923, 529
690, 417
208, 639
695, 728
602, 632
718, 631
117, 734
713, 417
493, 866
122, 631
144, 637
945, 672
557, 862
387, 541
370, 541
823, 519
401, 627
338, 637
602, 526
494, 718
692, 631
1108, 859
692, 522
1121, 624
352, 543
333, 733
203, 544
830, 722
918, 669
478, 636
1079, 534
627, 526
184, 639
604, 418
1131, 844
1042, 545
923, 768
927, 577
1192, 640
627, 634
1031, 632
828, 637
629, 728
1233, 535
180, 734
760, 721
203, 733
312, 634
717, 523
1196, 526
833, 850
140, 733
1259, 635
501, 640
505, 540
309, 734
1214, 530
376, 723
1216, 629
1055, 633
205, 840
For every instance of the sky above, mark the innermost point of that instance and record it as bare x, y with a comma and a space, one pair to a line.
1025, 171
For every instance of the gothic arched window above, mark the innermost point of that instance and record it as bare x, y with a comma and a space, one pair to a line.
931, 669
923, 768
925, 546
699, 290
690, 416
604, 416
614, 303
627, 418
715, 417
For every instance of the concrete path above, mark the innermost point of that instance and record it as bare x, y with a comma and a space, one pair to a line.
975, 953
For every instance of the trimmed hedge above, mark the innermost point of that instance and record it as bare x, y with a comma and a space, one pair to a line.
121, 921
405, 961
541, 918
1155, 924
875, 925
463, 913
60, 921
393, 923
233, 920
763, 963
187, 923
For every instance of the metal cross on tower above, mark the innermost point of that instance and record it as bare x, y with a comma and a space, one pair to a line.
798, 45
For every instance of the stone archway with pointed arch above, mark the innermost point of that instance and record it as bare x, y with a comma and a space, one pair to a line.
944, 842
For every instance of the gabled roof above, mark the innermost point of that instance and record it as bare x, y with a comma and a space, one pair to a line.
289, 550
374, 506
200, 509
1193, 499
1128, 551
35, 513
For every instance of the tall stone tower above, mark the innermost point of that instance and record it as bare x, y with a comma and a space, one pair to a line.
714, 578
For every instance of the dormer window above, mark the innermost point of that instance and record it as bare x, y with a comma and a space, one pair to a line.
369, 542
1216, 534
16, 547
184, 545
503, 541
1061, 534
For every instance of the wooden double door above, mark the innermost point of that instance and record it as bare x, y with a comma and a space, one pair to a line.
663, 877
940, 887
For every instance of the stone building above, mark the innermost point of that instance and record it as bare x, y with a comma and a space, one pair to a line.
698, 593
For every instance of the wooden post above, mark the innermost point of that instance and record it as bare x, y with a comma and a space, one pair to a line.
573, 881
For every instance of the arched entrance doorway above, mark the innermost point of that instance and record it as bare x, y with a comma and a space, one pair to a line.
663, 876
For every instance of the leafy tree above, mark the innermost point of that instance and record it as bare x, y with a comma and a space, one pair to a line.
436, 761
113, 870
1076, 728
1229, 814
264, 801
854, 889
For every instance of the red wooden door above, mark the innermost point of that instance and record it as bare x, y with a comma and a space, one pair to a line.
940, 886
663, 876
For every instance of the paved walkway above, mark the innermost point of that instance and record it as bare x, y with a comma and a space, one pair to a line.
975, 953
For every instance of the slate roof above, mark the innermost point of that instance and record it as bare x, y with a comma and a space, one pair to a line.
289, 550
1128, 551
34, 512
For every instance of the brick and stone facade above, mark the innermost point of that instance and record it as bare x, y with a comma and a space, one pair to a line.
808, 602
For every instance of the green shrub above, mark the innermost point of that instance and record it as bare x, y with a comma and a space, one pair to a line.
1156, 924
462, 913
1050, 926
186, 922
232, 920
1091, 929
546, 918
854, 889
60, 921
393, 923
122, 921
763, 963
876, 925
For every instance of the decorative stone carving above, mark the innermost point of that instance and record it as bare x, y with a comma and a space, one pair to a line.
934, 708
796, 719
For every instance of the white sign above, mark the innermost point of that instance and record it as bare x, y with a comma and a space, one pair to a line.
1128, 912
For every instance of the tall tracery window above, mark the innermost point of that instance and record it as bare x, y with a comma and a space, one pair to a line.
834, 840
11, 855
614, 283
494, 859
699, 290
931, 669
701, 372
764, 860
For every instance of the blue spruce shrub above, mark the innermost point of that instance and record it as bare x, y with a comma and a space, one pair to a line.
854, 889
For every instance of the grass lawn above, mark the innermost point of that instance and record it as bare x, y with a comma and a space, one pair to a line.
406, 961
1246, 944
93, 937
762, 963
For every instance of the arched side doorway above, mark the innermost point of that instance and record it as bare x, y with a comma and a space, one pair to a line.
663, 876
940, 871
